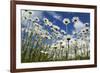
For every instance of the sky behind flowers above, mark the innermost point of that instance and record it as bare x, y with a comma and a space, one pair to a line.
56, 17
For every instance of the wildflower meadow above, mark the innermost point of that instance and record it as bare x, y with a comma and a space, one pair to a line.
54, 36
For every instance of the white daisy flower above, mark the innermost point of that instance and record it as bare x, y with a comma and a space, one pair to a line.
68, 37
57, 32
83, 30
48, 37
50, 24
54, 46
62, 46
60, 41
36, 19
46, 21
87, 29
62, 31
37, 28
55, 27
73, 41
36, 24
66, 21
23, 12
75, 19
45, 35
27, 14
74, 32
59, 35
42, 51
78, 25
46, 52
23, 17
52, 29
86, 24
84, 44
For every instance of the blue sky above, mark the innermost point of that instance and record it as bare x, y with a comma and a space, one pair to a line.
56, 17
84, 17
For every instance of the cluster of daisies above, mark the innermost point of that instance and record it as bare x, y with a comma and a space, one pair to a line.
54, 40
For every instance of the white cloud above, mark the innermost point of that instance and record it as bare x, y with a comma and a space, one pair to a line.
78, 25
55, 15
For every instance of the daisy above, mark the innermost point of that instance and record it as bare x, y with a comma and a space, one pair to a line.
46, 21
55, 47
23, 13
38, 25
30, 12
78, 25
59, 36
68, 37
84, 31
74, 32
62, 46
75, 19
46, 52
36, 19
57, 33
74, 42
37, 28
60, 42
25, 10
86, 24
62, 31
52, 29
66, 21
55, 27
42, 51
87, 29
27, 14
48, 37
50, 24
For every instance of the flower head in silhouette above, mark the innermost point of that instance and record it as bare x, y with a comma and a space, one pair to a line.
36, 19
66, 21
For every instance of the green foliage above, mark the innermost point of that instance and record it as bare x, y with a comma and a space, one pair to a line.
31, 52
